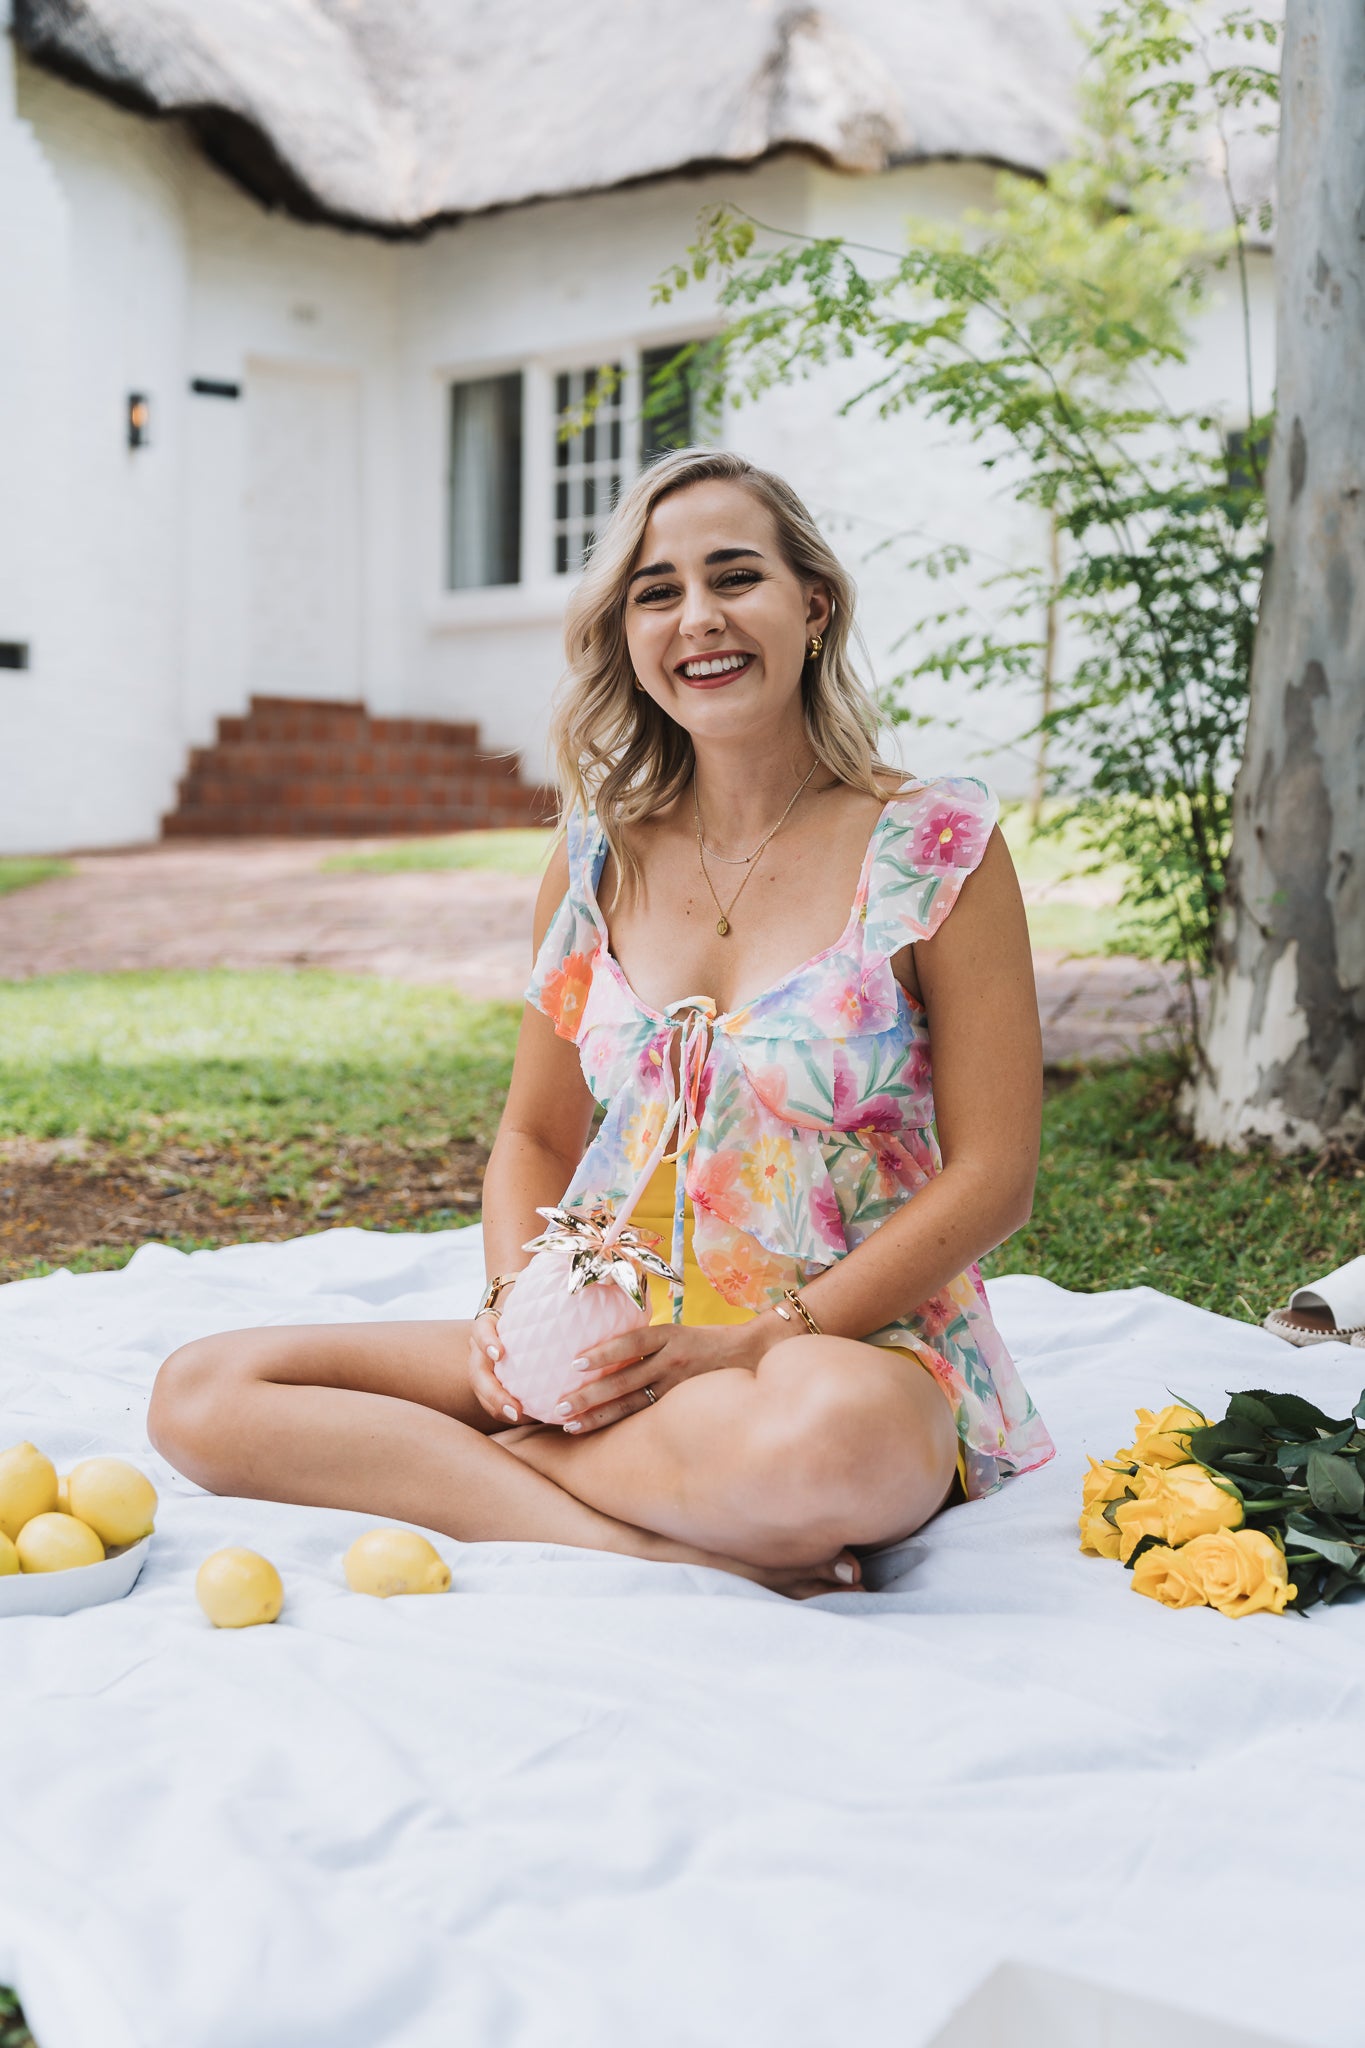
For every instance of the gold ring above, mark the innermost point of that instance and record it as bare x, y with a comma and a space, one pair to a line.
650, 1395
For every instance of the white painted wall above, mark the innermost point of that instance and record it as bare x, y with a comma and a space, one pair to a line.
34, 326
569, 283
556, 286
94, 230
128, 263
272, 300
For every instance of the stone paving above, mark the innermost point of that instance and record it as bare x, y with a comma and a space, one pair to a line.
267, 903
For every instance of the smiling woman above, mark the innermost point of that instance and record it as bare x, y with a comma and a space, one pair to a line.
619, 747
822, 1370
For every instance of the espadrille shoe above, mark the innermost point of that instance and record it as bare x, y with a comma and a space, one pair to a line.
1331, 1311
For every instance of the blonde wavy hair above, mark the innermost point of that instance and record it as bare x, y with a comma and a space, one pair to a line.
612, 746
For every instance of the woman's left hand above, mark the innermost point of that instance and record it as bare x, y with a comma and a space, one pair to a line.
613, 1376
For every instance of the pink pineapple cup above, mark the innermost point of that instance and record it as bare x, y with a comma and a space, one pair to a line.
544, 1328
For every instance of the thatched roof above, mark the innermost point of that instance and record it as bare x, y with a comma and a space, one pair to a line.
390, 114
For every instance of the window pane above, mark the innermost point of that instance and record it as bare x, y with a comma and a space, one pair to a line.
668, 401
485, 483
591, 465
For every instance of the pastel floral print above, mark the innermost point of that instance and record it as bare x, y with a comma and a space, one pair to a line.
952, 836
813, 1107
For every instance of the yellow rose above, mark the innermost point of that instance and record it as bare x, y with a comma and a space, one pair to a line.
1160, 1439
1162, 1574
1196, 1504
1105, 1482
1136, 1519
1238, 1571
1176, 1503
1098, 1537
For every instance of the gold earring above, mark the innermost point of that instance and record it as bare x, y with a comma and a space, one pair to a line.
816, 643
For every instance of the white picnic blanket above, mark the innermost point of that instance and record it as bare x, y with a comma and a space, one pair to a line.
588, 1803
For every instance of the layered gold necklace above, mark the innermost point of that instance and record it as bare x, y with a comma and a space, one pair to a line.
726, 910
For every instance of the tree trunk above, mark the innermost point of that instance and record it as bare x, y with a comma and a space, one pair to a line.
1285, 1043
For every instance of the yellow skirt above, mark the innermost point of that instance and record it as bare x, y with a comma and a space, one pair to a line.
701, 1302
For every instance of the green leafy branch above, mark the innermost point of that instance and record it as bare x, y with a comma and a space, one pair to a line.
1040, 334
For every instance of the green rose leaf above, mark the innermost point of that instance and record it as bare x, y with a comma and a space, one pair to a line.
1335, 1484
1343, 1554
1290, 1455
1210, 1446
1359, 1410
1144, 1543
1291, 1411
1250, 1408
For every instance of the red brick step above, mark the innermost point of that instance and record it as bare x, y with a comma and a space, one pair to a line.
312, 768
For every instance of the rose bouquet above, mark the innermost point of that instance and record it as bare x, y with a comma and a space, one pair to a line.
1246, 1514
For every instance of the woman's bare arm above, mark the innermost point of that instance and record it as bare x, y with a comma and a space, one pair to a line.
545, 1124
541, 1137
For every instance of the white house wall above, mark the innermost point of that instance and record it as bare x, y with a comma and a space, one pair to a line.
34, 328
557, 286
568, 283
130, 264
89, 736
272, 296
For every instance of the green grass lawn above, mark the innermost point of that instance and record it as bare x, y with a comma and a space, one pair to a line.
517, 850
141, 1058
1124, 1200
22, 874
277, 1074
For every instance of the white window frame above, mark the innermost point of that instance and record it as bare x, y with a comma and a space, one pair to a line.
540, 596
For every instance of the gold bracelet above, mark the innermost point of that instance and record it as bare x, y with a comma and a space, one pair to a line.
807, 1318
496, 1287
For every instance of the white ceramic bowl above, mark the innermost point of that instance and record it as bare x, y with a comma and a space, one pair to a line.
86, 1585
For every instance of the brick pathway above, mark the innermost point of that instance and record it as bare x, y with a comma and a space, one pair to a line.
267, 904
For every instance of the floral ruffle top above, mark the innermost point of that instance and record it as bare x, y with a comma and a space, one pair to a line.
806, 1118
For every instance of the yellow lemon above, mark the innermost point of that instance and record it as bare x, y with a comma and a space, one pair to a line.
385, 1561
238, 1589
9, 1558
116, 1499
28, 1487
64, 1493
57, 1543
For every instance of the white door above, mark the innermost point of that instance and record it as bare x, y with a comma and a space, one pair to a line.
303, 531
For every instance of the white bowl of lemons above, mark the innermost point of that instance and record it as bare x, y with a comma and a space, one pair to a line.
72, 1541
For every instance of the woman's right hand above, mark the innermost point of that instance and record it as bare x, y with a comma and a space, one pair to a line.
485, 1354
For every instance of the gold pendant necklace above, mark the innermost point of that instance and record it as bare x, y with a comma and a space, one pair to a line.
723, 926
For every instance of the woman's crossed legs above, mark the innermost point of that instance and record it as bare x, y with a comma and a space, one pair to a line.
769, 1474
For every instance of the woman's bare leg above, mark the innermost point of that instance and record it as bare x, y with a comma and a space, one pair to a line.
381, 1418
829, 1442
